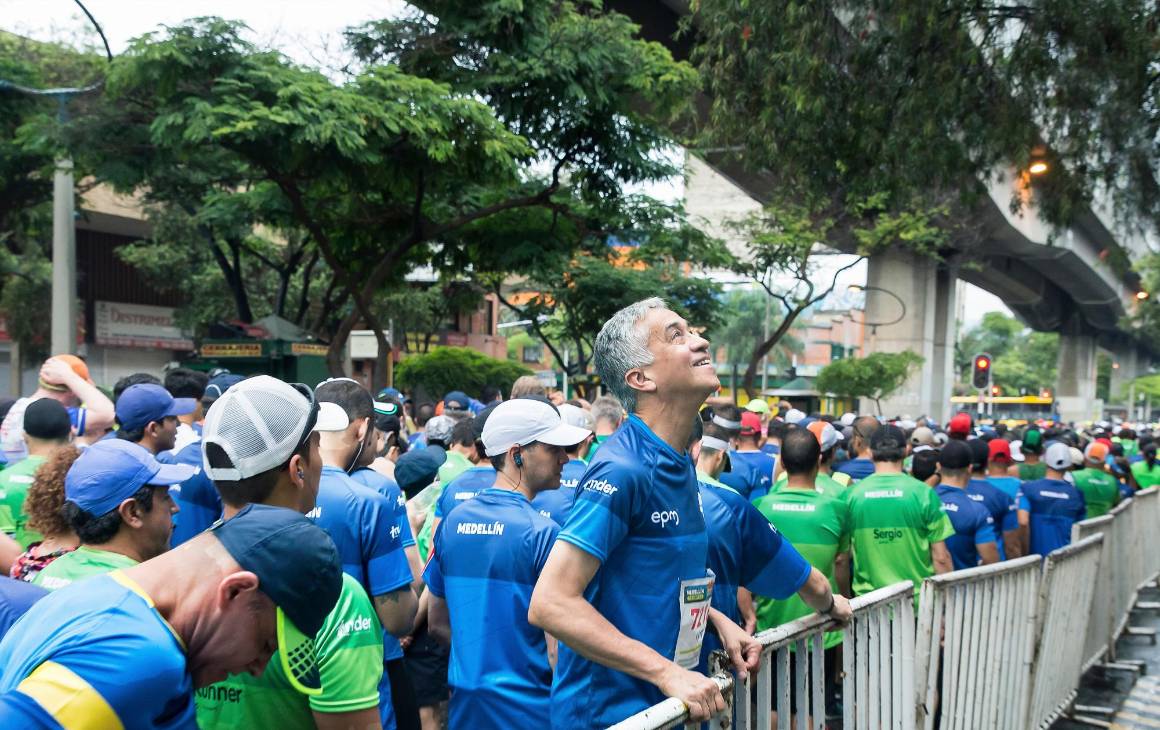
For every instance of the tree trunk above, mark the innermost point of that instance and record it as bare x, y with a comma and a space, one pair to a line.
763, 349
233, 279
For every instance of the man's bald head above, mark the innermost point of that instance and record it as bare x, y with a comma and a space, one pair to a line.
864, 429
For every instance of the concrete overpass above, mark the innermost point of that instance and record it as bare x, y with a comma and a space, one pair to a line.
1062, 283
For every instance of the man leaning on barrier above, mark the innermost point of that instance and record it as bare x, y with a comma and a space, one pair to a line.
626, 587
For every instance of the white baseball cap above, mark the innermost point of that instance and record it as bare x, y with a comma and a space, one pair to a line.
847, 419
578, 417
260, 422
793, 415
1058, 456
522, 421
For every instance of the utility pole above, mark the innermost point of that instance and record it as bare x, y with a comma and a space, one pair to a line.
64, 258
764, 337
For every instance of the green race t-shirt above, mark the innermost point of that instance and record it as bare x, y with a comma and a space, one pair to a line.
1100, 490
817, 523
14, 484
455, 465
349, 650
84, 562
1031, 472
826, 482
1146, 477
894, 519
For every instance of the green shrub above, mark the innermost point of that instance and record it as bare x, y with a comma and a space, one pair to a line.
444, 369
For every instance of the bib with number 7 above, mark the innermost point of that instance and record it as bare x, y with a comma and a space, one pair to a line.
694, 597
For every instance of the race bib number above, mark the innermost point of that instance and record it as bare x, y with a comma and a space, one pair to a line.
694, 597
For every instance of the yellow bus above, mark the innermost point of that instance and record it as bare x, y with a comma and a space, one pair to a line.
1013, 410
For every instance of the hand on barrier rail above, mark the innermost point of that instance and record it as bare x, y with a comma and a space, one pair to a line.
841, 612
699, 693
743, 650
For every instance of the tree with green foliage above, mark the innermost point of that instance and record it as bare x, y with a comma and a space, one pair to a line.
913, 105
419, 314
445, 369
1023, 361
533, 117
875, 376
741, 328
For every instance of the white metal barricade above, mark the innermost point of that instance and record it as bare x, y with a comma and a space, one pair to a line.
878, 659
1148, 531
1065, 598
976, 635
1123, 564
1099, 637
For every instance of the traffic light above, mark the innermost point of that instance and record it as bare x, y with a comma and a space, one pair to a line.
995, 390
981, 378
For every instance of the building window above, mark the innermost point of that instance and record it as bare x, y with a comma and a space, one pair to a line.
533, 353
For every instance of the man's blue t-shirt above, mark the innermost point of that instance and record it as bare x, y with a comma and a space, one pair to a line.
638, 512
487, 557
758, 472
856, 468
771, 449
745, 549
1007, 485
973, 526
1053, 506
198, 498
16, 597
464, 487
98, 650
389, 488
1003, 509
557, 503
364, 526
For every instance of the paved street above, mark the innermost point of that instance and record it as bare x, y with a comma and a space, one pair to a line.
1138, 703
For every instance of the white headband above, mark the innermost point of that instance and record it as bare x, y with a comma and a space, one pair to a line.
725, 423
713, 442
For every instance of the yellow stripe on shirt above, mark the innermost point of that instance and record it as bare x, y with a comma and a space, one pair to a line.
69, 699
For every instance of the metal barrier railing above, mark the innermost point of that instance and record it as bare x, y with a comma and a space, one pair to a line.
878, 643
1148, 536
975, 640
1099, 637
1065, 598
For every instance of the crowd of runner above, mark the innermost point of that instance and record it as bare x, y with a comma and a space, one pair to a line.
223, 552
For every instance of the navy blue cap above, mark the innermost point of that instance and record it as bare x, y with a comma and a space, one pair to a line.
296, 562
392, 393
219, 384
416, 469
111, 471
457, 400
143, 403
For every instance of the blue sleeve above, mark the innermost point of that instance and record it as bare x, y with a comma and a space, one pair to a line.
542, 541
1010, 516
985, 531
433, 575
770, 565
19, 710
78, 417
602, 512
382, 545
408, 537
1024, 503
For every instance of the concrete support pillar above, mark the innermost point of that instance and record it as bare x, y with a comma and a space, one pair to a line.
923, 322
1125, 369
1075, 391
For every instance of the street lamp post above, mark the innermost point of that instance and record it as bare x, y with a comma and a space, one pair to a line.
875, 325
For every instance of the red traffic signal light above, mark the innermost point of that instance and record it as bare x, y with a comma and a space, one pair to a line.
981, 377
994, 390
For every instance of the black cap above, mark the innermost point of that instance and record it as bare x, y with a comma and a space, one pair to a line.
47, 419
416, 469
955, 455
980, 453
296, 562
887, 437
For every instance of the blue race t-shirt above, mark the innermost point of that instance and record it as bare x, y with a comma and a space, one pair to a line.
389, 488
973, 526
745, 549
1003, 509
1007, 485
464, 487
638, 512
364, 526
1053, 506
198, 498
758, 472
856, 468
16, 597
488, 555
557, 503
99, 651
771, 449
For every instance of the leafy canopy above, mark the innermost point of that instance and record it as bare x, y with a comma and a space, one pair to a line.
444, 369
875, 376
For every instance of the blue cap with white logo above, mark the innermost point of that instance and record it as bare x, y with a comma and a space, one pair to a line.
111, 471
144, 403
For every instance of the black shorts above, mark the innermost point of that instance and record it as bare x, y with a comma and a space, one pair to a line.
832, 661
427, 662
402, 695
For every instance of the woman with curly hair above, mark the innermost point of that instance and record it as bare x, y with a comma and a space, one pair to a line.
42, 505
